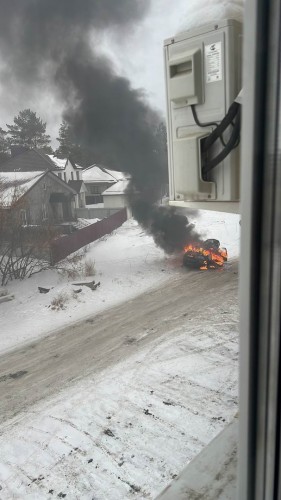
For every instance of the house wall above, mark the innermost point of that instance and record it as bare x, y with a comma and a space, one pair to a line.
94, 190
66, 174
115, 201
80, 201
38, 207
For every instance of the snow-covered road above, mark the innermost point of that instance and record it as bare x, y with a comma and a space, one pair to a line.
42, 368
111, 403
161, 383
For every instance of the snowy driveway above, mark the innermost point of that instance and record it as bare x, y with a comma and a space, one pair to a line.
42, 368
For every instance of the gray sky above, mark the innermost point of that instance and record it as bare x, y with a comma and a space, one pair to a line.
140, 58
138, 55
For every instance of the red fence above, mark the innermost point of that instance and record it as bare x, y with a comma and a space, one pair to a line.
66, 245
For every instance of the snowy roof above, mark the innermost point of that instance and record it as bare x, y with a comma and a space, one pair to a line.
99, 173
14, 185
96, 173
60, 163
120, 187
119, 176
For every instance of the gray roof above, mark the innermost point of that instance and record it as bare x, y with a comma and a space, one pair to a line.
28, 161
76, 185
34, 160
120, 187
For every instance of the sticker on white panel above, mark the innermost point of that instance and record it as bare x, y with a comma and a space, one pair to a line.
213, 62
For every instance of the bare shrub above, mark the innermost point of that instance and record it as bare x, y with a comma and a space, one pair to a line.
89, 267
24, 250
72, 267
58, 302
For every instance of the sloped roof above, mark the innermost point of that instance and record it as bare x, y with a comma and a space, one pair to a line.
120, 187
96, 173
118, 176
29, 161
77, 185
34, 160
59, 163
99, 173
14, 185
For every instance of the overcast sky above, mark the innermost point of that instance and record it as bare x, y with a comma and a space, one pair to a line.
137, 55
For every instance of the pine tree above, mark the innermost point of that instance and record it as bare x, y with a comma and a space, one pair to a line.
4, 147
67, 146
70, 148
29, 130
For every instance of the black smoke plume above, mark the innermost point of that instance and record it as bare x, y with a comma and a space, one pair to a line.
171, 231
54, 44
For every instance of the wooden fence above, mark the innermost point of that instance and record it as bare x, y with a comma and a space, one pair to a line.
64, 246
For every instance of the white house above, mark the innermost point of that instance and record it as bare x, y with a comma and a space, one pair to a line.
98, 179
116, 195
71, 173
65, 170
34, 160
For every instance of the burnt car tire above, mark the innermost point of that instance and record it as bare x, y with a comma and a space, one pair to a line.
193, 260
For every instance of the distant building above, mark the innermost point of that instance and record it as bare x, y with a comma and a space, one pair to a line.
116, 195
98, 179
39, 197
65, 169
34, 160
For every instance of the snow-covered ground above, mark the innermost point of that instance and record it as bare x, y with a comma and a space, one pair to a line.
127, 263
128, 431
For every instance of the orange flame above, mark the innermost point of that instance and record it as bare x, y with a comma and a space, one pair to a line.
214, 258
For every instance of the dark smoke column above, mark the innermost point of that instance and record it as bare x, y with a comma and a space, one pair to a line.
49, 43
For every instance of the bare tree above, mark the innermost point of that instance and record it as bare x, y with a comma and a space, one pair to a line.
24, 250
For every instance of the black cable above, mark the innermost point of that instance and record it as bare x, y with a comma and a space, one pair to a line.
232, 143
234, 140
207, 124
224, 124
217, 135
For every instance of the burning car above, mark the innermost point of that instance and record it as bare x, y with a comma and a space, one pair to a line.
205, 255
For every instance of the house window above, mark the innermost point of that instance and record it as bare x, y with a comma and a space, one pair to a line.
77, 176
95, 189
44, 186
60, 175
23, 218
64, 176
44, 212
72, 176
